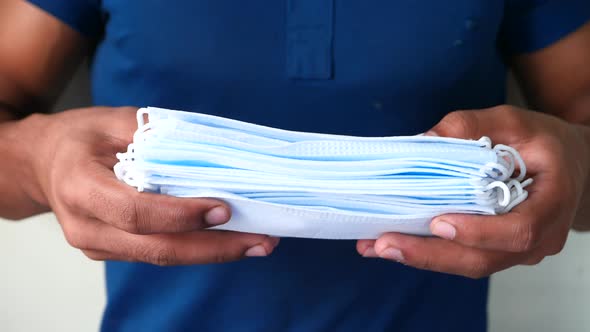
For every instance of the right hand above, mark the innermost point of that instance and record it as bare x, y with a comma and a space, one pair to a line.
73, 155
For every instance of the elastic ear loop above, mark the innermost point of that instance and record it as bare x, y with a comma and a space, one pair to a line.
487, 142
521, 194
514, 156
140, 116
488, 198
129, 176
142, 127
504, 199
490, 168
139, 135
510, 163
125, 169
119, 170
134, 179
123, 157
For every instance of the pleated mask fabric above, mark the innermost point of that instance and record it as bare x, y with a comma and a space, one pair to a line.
310, 185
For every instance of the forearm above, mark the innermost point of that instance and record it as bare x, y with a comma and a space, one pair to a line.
18, 197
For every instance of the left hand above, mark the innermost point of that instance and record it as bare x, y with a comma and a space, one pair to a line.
477, 246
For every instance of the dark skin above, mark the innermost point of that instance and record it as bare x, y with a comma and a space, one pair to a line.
63, 163
556, 149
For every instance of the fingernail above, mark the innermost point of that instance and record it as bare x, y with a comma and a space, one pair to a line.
444, 230
370, 253
256, 251
217, 216
393, 254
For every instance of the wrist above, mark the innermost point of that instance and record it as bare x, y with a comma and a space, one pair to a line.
31, 140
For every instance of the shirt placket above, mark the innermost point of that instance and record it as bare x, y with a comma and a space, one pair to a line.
310, 32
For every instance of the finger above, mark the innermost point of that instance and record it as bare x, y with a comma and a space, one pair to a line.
125, 124
126, 127
502, 124
440, 255
99, 255
534, 260
541, 152
201, 247
512, 232
111, 131
521, 230
366, 248
100, 195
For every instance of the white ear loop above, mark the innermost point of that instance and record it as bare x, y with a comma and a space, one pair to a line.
507, 159
526, 182
512, 193
505, 150
140, 116
496, 171
504, 199
519, 194
487, 142
505, 167
142, 127
135, 178
126, 171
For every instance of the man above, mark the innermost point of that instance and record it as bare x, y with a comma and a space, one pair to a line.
338, 66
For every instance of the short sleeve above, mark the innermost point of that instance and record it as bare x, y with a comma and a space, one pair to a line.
530, 25
82, 15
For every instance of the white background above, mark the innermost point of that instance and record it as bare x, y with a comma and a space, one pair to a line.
47, 286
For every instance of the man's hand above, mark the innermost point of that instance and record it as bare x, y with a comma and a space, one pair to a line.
72, 155
557, 157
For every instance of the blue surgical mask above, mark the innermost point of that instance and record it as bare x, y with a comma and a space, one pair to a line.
287, 183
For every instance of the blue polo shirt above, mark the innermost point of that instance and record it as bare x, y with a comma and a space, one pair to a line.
368, 68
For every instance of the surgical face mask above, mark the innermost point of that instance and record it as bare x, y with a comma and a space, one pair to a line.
297, 184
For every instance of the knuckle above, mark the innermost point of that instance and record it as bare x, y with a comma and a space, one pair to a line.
507, 111
119, 209
163, 256
509, 116
74, 236
526, 237
512, 118
549, 148
222, 256
180, 216
426, 263
480, 269
458, 123
69, 197
128, 217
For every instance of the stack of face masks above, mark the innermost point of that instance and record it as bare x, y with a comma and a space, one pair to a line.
296, 184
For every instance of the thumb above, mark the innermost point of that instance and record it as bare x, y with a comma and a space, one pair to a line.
502, 124
459, 124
